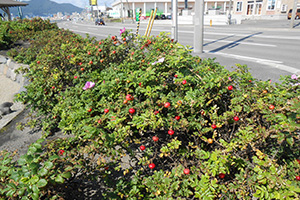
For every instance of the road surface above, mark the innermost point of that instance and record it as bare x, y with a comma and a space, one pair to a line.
268, 47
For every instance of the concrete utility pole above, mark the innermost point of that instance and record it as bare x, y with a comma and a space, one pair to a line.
174, 31
198, 26
229, 12
293, 14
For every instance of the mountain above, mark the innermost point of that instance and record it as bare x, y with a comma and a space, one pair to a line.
45, 7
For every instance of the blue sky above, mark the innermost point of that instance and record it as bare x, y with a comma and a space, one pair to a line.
83, 3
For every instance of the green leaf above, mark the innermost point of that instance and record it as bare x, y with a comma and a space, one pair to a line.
66, 175
43, 172
48, 165
59, 179
42, 183
290, 141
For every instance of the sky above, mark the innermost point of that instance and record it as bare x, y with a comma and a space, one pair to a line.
83, 3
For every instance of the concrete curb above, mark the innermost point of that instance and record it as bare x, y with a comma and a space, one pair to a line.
7, 68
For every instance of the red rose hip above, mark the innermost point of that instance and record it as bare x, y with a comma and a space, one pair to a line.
221, 175
151, 165
186, 171
155, 138
131, 110
170, 132
142, 147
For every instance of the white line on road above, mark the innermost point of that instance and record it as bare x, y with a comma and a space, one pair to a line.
271, 63
246, 43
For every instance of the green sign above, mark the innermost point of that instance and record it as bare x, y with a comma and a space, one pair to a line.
137, 14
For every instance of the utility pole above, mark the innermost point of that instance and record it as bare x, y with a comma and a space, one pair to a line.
293, 14
174, 31
198, 26
229, 12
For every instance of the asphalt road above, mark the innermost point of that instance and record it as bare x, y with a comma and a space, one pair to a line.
268, 47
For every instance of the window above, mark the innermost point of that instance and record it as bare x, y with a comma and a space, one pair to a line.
239, 6
284, 8
271, 4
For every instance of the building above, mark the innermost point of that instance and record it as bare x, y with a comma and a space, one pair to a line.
240, 9
263, 9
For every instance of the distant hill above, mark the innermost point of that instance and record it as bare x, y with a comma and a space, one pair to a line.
45, 7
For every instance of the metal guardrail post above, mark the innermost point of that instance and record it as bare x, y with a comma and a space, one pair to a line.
146, 33
151, 24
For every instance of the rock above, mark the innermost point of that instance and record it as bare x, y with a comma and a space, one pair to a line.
5, 108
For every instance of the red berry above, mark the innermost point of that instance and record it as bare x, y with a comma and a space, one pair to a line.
176, 76
230, 87
75, 77
61, 152
140, 84
151, 165
298, 178
80, 63
113, 37
89, 53
186, 171
250, 81
99, 50
91, 62
170, 132
271, 107
129, 97
214, 126
221, 175
106, 110
183, 82
142, 147
114, 52
90, 110
156, 112
132, 53
167, 105
131, 110
236, 118
53, 87
177, 118
298, 160
155, 138
38, 62
82, 69
100, 43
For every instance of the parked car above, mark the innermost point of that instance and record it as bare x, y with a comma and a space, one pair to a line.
99, 21
163, 16
169, 16
297, 14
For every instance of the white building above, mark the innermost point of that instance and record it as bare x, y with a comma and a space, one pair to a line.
240, 9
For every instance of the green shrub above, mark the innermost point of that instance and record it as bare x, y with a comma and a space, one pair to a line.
218, 134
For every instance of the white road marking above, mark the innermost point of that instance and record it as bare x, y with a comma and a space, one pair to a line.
271, 63
246, 43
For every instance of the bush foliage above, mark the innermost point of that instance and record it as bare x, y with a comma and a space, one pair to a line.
152, 121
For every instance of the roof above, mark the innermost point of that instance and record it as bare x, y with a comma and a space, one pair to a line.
11, 3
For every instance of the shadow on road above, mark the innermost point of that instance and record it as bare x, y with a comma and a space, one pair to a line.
298, 24
233, 44
224, 38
